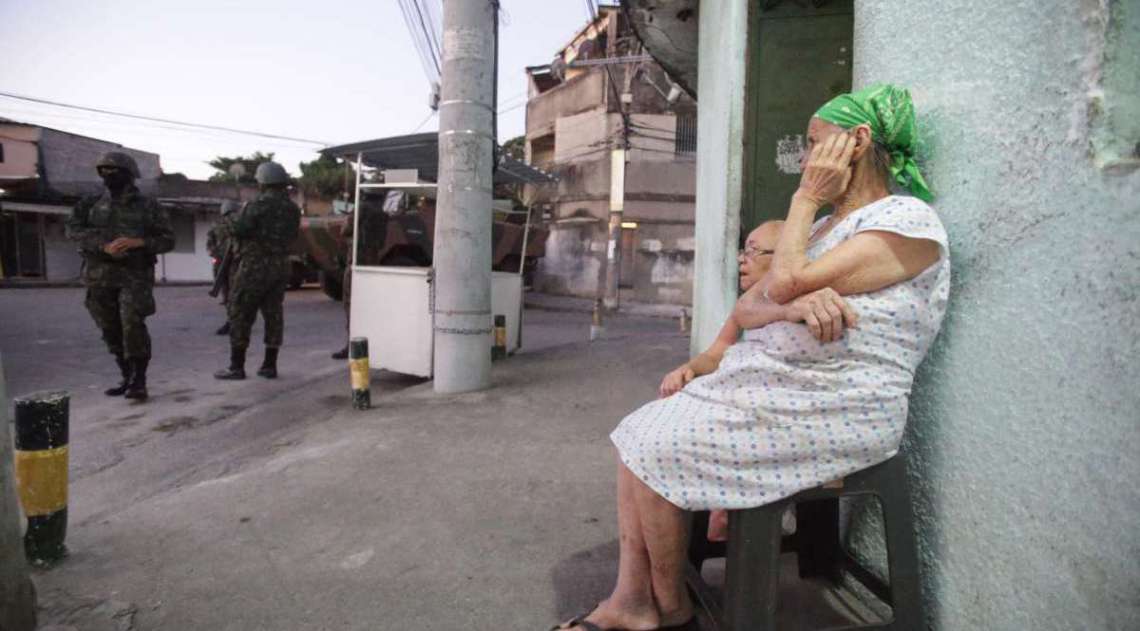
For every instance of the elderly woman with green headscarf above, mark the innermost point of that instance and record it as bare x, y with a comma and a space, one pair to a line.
807, 395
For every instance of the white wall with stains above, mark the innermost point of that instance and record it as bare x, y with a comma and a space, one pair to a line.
1025, 418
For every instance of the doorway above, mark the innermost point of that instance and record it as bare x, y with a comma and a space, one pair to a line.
799, 57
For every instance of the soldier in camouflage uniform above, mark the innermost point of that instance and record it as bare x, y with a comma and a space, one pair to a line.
218, 242
346, 232
263, 232
119, 235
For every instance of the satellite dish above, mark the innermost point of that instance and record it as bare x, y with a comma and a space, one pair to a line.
237, 170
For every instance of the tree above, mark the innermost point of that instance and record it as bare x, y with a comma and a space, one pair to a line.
326, 177
249, 163
516, 148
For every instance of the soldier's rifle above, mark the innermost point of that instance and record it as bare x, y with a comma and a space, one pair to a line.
222, 278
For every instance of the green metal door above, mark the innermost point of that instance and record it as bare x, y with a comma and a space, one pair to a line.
799, 57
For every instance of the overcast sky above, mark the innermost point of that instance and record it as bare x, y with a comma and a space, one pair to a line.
335, 70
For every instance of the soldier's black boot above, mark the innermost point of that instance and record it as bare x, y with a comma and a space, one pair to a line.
269, 366
224, 329
125, 371
237, 365
137, 387
341, 354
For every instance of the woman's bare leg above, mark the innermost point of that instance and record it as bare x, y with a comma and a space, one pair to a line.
718, 525
631, 604
664, 527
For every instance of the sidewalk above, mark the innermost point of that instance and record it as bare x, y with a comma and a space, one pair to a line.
550, 302
493, 510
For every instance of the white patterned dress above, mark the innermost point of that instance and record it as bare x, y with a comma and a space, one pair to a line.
785, 412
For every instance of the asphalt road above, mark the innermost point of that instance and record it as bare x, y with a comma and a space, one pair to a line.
271, 504
124, 452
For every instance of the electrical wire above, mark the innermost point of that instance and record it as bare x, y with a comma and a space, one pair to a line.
156, 119
58, 119
429, 37
422, 46
430, 116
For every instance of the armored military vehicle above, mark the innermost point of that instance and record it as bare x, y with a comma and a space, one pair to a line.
405, 240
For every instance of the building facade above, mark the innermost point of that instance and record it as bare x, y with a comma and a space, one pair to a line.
44, 172
603, 93
1023, 423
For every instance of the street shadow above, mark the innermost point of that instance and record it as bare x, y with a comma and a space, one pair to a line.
584, 579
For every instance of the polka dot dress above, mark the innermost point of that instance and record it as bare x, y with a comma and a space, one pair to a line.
784, 412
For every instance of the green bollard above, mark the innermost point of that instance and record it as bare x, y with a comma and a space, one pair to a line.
499, 350
359, 372
41, 473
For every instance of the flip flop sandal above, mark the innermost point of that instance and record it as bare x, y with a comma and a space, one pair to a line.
579, 622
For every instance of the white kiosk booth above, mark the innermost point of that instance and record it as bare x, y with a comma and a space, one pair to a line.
392, 289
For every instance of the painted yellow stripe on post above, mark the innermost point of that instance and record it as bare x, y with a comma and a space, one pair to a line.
358, 371
41, 478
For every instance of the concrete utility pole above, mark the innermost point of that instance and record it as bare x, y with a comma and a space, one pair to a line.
17, 593
612, 298
462, 258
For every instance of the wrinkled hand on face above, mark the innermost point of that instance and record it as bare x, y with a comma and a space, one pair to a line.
828, 171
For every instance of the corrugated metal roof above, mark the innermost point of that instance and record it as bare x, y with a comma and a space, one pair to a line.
421, 152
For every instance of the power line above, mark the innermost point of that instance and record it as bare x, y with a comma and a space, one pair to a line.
419, 43
86, 121
160, 120
429, 36
424, 122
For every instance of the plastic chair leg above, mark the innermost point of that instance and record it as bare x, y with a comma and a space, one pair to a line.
752, 568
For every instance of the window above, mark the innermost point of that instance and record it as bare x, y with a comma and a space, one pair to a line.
686, 135
1, 153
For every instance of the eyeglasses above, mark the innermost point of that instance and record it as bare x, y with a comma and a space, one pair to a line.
753, 252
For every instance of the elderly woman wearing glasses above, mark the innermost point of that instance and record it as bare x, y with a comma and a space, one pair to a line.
805, 396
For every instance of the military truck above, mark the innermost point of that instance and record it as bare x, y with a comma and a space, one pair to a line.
405, 241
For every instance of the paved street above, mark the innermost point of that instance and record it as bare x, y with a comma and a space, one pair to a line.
273, 505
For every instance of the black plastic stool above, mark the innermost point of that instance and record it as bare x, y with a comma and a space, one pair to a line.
755, 540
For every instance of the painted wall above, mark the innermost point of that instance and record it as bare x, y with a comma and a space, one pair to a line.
62, 259
189, 262
21, 157
1025, 419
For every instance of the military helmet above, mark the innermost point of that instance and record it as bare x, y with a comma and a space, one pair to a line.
271, 173
120, 160
229, 207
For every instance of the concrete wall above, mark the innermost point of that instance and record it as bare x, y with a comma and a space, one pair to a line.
17, 592
63, 262
21, 157
576, 95
69, 163
1025, 422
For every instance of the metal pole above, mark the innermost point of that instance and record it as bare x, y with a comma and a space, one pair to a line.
462, 256
617, 208
17, 593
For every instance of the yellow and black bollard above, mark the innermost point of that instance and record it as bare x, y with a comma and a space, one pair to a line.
360, 373
499, 350
41, 472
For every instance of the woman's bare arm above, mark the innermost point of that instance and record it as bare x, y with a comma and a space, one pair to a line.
866, 262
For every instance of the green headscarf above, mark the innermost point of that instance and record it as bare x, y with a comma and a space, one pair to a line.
890, 113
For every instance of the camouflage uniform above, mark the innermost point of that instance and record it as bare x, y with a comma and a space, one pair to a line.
120, 291
347, 233
218, 240
264, 230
